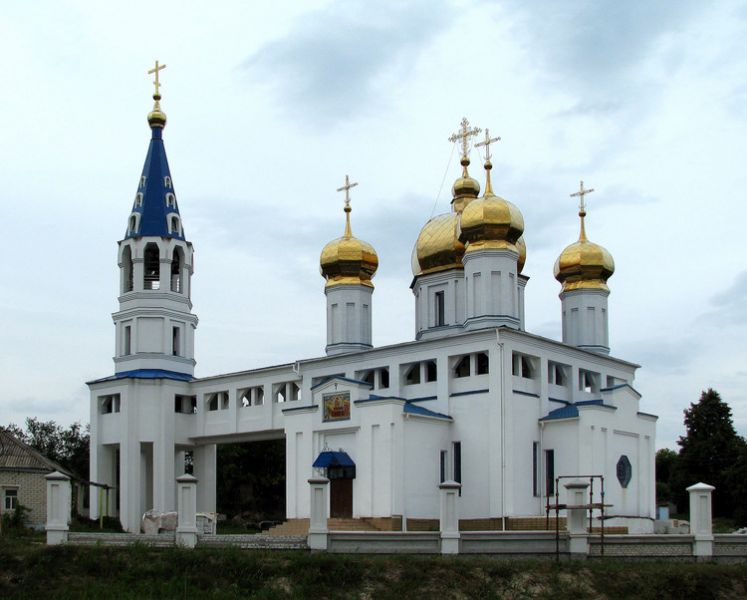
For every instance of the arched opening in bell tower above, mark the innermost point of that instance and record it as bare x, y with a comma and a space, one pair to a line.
177, 267
127, 278
152, 271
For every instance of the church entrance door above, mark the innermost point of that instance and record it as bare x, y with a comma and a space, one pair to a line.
341, 499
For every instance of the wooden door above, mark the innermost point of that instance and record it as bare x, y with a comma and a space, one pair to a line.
341, 499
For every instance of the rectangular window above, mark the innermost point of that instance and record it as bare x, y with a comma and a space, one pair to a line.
431, 373
458, 462
535, 469
175, 342
483, 364
186, 405
11, 498
127, 340
550, 472
109, 404
439, 309
442, 467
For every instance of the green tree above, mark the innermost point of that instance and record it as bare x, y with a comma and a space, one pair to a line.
708, 450
666, 464
68, 447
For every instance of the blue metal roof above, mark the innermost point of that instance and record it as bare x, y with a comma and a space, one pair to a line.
414, 409
564, 412
155, 185
146, 374
333, 459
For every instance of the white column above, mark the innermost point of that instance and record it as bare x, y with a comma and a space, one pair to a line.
186, 493
205, 467
317, 539
700, 519
449, 517
58, 508
578, 543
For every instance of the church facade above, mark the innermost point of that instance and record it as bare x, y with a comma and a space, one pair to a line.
473, 398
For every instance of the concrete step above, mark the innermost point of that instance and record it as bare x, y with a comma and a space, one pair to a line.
350, 525
293, 527
255, 541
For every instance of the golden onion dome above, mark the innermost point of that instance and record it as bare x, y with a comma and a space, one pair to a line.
157, 118
438, 247
491, 221
584, 264
521, 246
348, 260
465, 189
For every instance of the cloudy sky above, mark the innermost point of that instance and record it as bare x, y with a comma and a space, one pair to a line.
271, 104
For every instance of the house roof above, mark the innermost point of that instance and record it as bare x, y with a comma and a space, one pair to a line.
16, 455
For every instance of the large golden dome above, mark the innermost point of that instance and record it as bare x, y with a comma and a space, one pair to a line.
348, 260
584, 264
438, 247
491, 221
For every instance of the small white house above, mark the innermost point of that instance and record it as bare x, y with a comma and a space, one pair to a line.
473, 397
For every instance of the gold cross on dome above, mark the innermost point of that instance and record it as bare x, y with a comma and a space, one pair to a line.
581, 193
486, 142
155, 71
464, 134
347, 187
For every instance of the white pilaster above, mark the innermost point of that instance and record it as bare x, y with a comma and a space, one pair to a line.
492, 289
585, 319
58, 508
348, 318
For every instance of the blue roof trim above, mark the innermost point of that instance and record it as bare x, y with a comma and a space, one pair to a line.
155, 183
413, 409
422, 399
146, 374
619, 386
558, 400
526, 393
338, 378
564, 412
469, 393
595, 403
644, 414
295, 408
332, 459
374, 398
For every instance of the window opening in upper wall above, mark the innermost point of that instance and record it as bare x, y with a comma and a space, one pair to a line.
461, 369
412, 375
483, 363
176, 270
152, 268
431, 373
128, 282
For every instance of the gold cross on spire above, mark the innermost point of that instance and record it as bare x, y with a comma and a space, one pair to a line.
464, 134
156, 83
347, 187
580, 194
486, 142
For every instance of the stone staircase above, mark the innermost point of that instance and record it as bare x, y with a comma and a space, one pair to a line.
79, 538
300, 527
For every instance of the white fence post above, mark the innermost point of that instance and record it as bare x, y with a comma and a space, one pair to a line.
576, 511
701, 509
58, 507
186, 501
318, 532
449, 517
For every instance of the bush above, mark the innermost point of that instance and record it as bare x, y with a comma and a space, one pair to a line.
15, 521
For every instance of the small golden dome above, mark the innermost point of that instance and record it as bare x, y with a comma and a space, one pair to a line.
521, 246
584, 264
465, 189
157, 118
348, 260
491, 221
438, 247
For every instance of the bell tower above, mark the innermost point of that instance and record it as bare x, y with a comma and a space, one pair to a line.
154, 324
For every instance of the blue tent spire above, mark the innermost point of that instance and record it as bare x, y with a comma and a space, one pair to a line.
155, 211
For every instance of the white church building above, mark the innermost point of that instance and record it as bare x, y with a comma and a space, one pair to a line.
473, 397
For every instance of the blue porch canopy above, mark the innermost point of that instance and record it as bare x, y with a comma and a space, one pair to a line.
328, 459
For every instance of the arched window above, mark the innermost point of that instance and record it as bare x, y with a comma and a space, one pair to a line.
152, 276
174, 225
177, 262
127, 282
170, 200
132, 228
138, 200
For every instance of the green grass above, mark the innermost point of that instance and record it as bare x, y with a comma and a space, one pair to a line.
29, 569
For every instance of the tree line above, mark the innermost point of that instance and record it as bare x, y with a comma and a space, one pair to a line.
712, 452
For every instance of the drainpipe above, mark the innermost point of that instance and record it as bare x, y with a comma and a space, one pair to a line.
503, 427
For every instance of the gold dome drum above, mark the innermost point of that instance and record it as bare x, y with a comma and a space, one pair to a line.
491, 222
